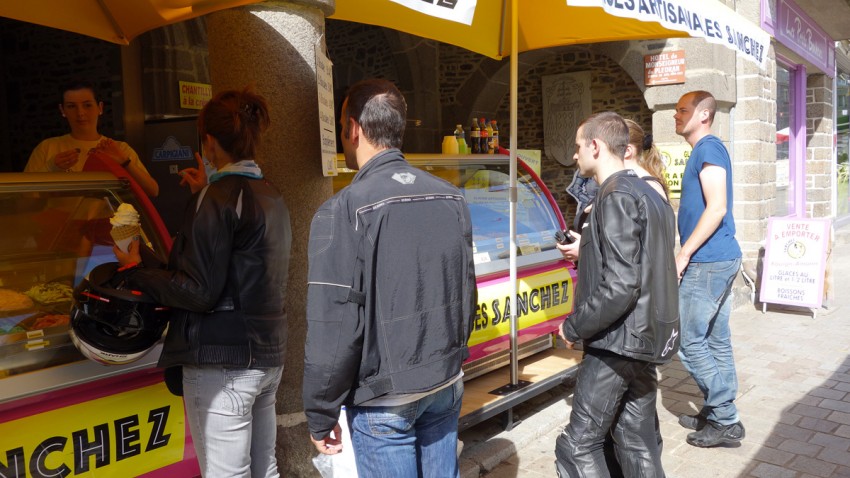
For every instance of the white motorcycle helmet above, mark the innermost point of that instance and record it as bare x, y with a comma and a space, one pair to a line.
112, 324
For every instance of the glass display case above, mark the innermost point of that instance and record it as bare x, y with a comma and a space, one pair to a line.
55, 230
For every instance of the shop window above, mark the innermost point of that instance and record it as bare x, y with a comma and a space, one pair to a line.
784, 108
842, 146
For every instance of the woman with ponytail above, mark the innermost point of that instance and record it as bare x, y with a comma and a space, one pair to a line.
225, 284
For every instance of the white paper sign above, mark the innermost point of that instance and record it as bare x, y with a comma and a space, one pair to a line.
327, 122
461, 11
712, 21
794, 261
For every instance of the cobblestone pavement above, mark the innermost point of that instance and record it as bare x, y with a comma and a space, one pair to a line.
793, 398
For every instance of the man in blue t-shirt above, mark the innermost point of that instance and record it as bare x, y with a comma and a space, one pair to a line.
707, 264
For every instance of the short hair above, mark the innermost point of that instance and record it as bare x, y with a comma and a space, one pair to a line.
702, 99
609, 128
235, 119
379, 107
78, 85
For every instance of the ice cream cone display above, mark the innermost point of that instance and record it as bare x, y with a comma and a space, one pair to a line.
125, 226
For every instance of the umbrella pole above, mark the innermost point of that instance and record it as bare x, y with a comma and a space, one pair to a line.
513, 191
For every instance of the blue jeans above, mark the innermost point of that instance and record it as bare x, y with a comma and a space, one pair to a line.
706, 347
232, 419
417, 439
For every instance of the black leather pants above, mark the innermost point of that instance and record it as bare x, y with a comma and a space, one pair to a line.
617, 394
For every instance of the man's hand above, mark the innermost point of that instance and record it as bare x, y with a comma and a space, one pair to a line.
570, 251
196, 178
682, 262
329, 445
564, 338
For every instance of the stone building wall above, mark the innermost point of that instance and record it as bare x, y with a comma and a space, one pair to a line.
38, 62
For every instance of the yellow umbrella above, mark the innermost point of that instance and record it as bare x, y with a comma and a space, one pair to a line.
116, 21
484, 26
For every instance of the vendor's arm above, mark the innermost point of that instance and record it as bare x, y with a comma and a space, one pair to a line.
713, 181
619, 284
122, 154
45, 158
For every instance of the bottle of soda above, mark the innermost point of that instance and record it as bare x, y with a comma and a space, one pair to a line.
494, 138
475, 137
460, 136
485, 138
489, 127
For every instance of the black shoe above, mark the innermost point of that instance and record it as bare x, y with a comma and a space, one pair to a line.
714, 434
692, 422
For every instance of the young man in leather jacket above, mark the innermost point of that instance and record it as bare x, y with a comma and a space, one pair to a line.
627, 312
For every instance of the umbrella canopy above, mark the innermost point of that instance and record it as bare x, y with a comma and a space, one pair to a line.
484, 26
116, 21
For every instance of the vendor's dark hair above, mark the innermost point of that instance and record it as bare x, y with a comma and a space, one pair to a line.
379, 107
235, 119
609, 128
78, 85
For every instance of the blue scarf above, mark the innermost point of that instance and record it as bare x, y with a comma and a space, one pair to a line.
246, 167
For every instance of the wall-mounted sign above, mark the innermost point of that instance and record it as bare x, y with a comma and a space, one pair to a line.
665, 68
194, 96
327, 121
801, 34
794, 261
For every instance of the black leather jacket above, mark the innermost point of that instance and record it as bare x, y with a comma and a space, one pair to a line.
627, 293
391, 294
226, 278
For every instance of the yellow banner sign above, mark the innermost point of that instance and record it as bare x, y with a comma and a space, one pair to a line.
127, 434
194, 96
540, 297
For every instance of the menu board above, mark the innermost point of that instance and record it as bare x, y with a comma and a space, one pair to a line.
794, 261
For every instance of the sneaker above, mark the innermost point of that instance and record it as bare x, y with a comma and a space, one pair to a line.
714, 434
692, 422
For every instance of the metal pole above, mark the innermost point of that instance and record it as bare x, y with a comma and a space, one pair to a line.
513, 190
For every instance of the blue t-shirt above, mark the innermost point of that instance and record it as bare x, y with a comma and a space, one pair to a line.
722, 245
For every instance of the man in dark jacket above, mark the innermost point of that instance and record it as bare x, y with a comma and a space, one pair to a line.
390, 303
627, 311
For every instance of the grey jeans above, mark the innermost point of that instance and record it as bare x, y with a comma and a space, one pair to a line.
232, 419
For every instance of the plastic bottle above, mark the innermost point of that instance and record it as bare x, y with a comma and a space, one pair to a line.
485, 138
494, 138
489, 128
450, 145
461, 139
475, 137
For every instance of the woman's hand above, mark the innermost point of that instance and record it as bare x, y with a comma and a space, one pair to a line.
196, 178
67, 159
570, 251
109, 149
131, 257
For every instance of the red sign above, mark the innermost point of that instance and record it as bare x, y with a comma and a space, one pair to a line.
665, 68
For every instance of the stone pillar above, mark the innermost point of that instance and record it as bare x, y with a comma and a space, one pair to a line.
270, 46
819, 158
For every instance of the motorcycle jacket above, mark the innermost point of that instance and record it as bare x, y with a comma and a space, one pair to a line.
627, 298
